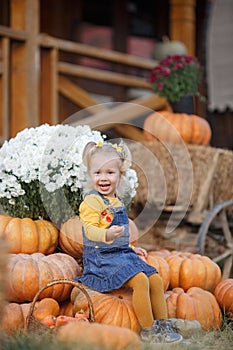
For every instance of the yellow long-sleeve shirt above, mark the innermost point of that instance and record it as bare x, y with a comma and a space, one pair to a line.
96, 216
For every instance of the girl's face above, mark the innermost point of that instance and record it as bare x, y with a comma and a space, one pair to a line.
105, 173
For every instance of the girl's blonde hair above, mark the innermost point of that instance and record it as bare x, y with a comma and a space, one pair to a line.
120, 150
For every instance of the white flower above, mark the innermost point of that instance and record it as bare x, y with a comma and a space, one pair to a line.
49, 156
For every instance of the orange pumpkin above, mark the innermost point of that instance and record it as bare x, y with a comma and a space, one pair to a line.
113, 308
71, 239
101, 336
162, 267
174, 127
29, 273
194, 304
46, 306
28, 236
193, 270
224, 295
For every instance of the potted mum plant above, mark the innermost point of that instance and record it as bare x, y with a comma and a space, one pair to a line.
176, 77
42, 175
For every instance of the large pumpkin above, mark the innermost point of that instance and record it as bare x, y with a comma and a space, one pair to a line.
224, 295
98, 336
193, 270
28, 236
194, 304
162, 267
29, 273
113, 308
174, 127
71, 239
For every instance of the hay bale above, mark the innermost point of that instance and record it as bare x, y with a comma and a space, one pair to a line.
168, 172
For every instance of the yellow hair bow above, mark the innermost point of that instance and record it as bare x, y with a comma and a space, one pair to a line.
116, 147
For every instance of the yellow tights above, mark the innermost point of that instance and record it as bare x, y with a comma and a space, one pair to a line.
148, 298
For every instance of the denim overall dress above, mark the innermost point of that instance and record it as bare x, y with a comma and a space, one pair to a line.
109, 266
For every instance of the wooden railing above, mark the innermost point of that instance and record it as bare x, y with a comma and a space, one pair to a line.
33, 76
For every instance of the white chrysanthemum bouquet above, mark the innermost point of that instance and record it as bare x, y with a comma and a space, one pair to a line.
42, 174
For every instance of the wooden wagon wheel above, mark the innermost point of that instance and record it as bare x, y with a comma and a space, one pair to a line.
218, 211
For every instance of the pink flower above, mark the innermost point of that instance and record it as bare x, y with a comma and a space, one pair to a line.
160, 86
179, 65
167, 71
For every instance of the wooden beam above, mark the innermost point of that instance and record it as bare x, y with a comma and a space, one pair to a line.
183, 23
4, 91
90, 51
103, 76
74, 93
13, 33
25, 69
123, 113
49, 86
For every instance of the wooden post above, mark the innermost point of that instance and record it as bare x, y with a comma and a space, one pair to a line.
182, 23
49, 86
4, 90
24, 66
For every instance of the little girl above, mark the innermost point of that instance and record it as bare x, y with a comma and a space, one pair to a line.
109, 261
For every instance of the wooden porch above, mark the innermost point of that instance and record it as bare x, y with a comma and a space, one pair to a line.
38, 70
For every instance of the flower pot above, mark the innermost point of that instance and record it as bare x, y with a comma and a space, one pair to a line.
184, 105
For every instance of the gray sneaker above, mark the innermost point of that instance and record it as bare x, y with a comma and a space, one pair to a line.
162, 331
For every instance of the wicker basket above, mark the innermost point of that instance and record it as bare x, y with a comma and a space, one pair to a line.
36, 327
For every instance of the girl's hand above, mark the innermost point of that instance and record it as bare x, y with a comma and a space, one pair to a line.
114, 232
140, 251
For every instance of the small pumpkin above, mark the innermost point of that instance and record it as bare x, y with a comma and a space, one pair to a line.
46, 306
101, 336
28, 273
193, 270
194, 304
113, 308
224, 295
177, 127
28, 236
168, 47
71, 239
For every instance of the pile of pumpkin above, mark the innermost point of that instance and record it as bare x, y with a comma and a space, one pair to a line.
40, 253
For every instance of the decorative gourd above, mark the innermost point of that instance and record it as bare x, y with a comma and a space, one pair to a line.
14, 317
71, 239
194, 304
193, 270
113, 308
91, 335
175, 127
53, 321
162, 267
28, 236
224, 295
29, 273
168, 47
